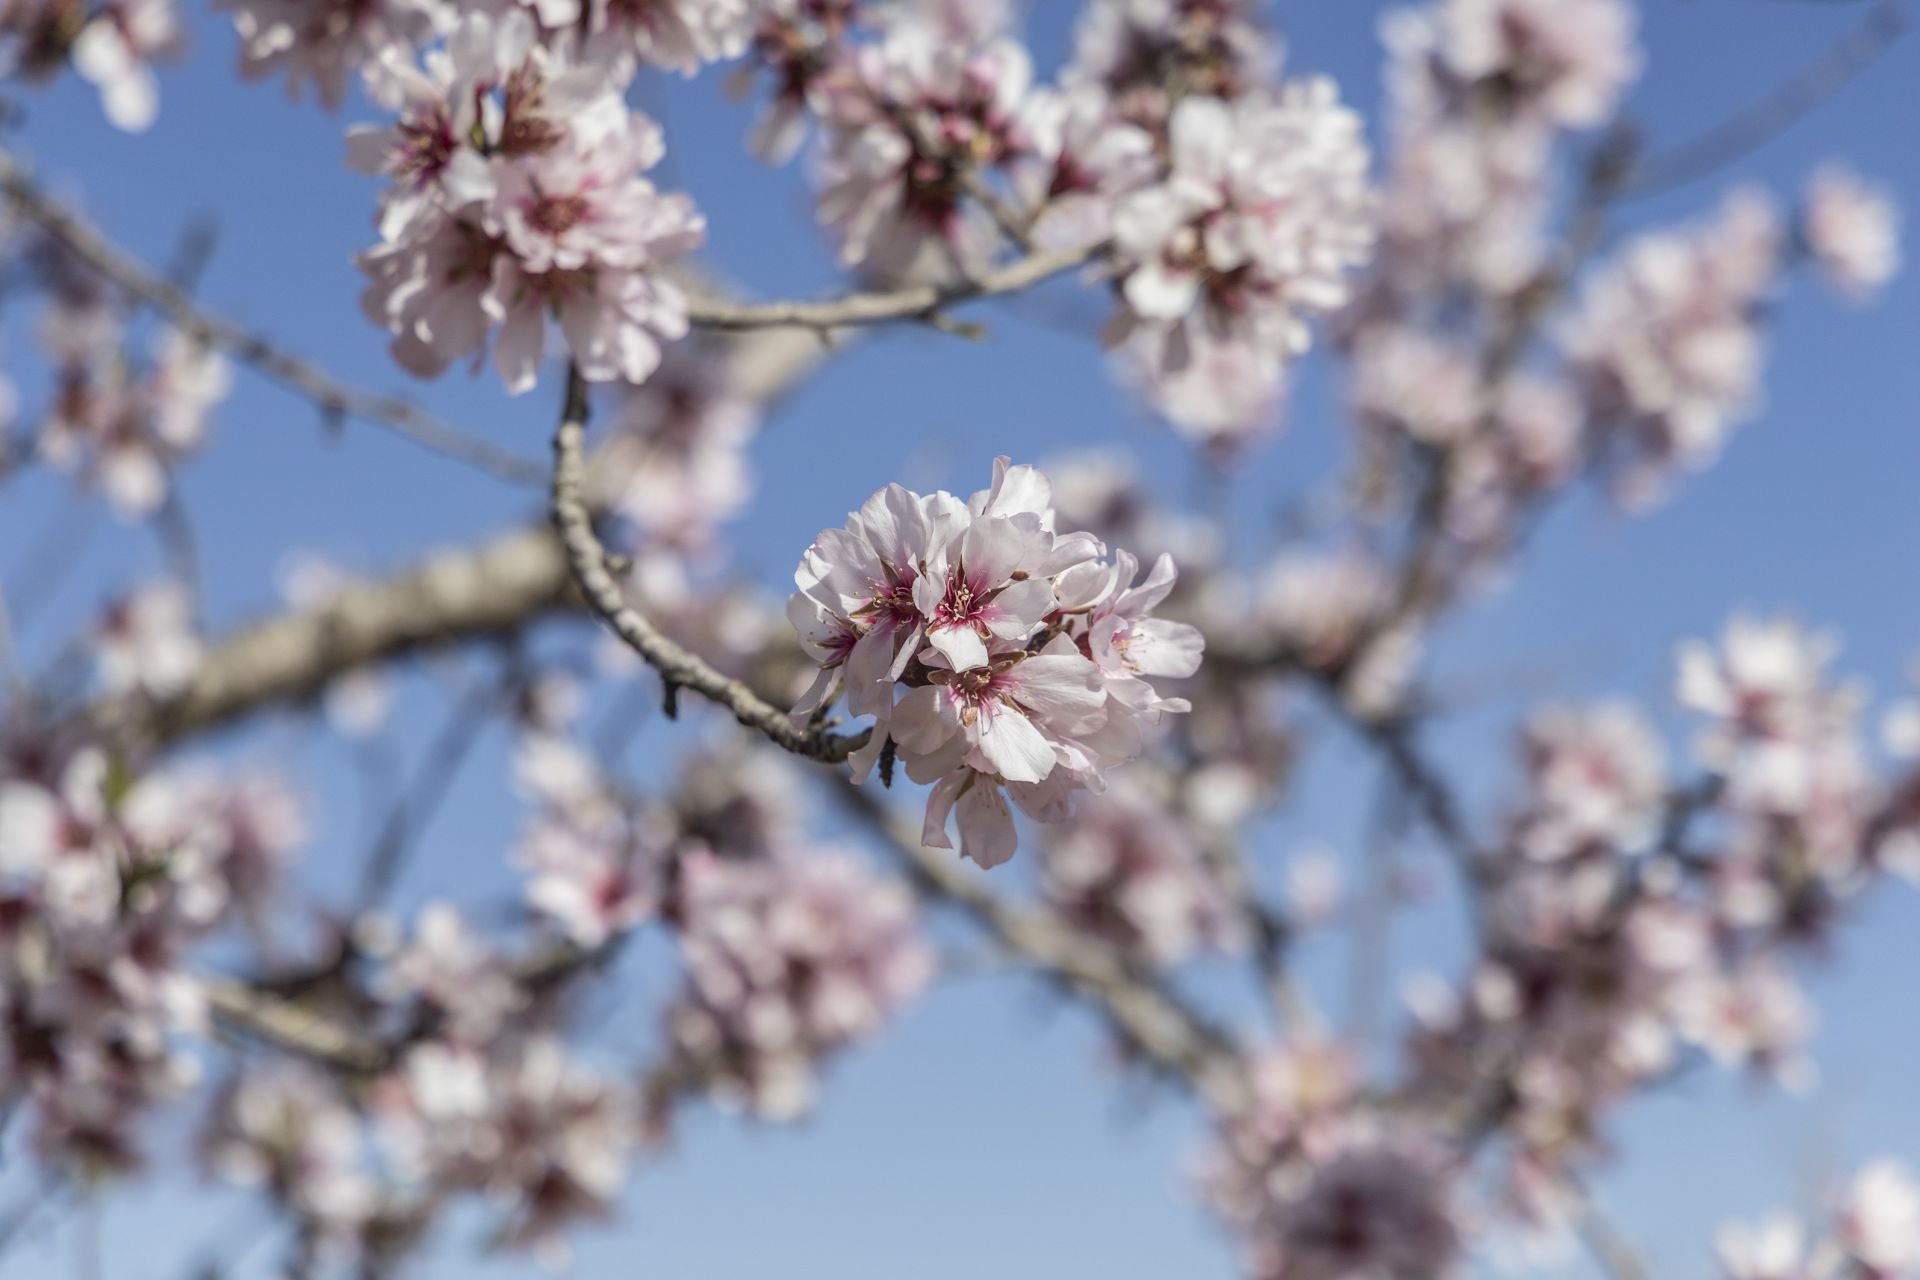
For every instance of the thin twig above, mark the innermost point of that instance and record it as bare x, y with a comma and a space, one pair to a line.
1733, 139
914, 302
305, 379
1609, 1245
429, 786
678, 668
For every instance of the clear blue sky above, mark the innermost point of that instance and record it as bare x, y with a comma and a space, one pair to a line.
983, 1135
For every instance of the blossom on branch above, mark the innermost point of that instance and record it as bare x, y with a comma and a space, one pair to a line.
518, 200
1852, 230
910, 118
1262, 215
789, 959
1027, 660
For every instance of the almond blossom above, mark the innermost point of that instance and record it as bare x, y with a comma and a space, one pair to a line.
1084, 158
1126, 870
1852, 230
1263, 213
1874, 1230
1027, 660
1147, 54
910, 115
114, 50
679, 35
1566, 60
325, 44
1667, 342
1598, 782
789, 959
109, 881
519, 200
125, 425
147, 641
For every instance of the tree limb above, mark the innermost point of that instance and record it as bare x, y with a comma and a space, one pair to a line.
914, 302
679, 669
89, 245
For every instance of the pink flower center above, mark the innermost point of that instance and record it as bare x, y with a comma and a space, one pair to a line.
556, 215
965, 604
892, 603
978, 693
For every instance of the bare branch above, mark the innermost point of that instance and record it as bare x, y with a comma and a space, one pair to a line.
915, 302
288, 1026
303, 378
1745, 132
493, 589
587, 560
1609, 1245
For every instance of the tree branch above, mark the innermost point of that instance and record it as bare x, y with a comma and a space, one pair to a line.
301, 377
679, 669
1745, 132
493, 589
914, 302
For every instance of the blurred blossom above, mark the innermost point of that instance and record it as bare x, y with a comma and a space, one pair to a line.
1128, 871
1852, 230
1667, 343
788, 960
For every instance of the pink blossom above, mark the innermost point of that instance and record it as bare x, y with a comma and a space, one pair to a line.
1026, 659
679, 35
324, 44
1225, 397
147, 641
1852, 229
1771, 1250
1146, 54
1667, 345
454, 971
1084, 159
789, 960
536, 210
1264, 211
677, 459
1597, 783
286, 1127
1126, 870
128, 427
594, 861
913, 111
1569, 60
1880, 1220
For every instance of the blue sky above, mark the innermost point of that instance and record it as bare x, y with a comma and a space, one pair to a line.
984, 1134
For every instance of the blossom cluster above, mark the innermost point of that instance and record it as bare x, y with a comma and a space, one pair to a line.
110, 882
1635, 920
789, 959
1851, 230
1320, 1187
1874, 1231
324, 47
1264, 211
112, 45
1026, 657
1667, 345
1481, 90
791, 953
1128, 870
939, 96
517, 199
481, 1098
120, 417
